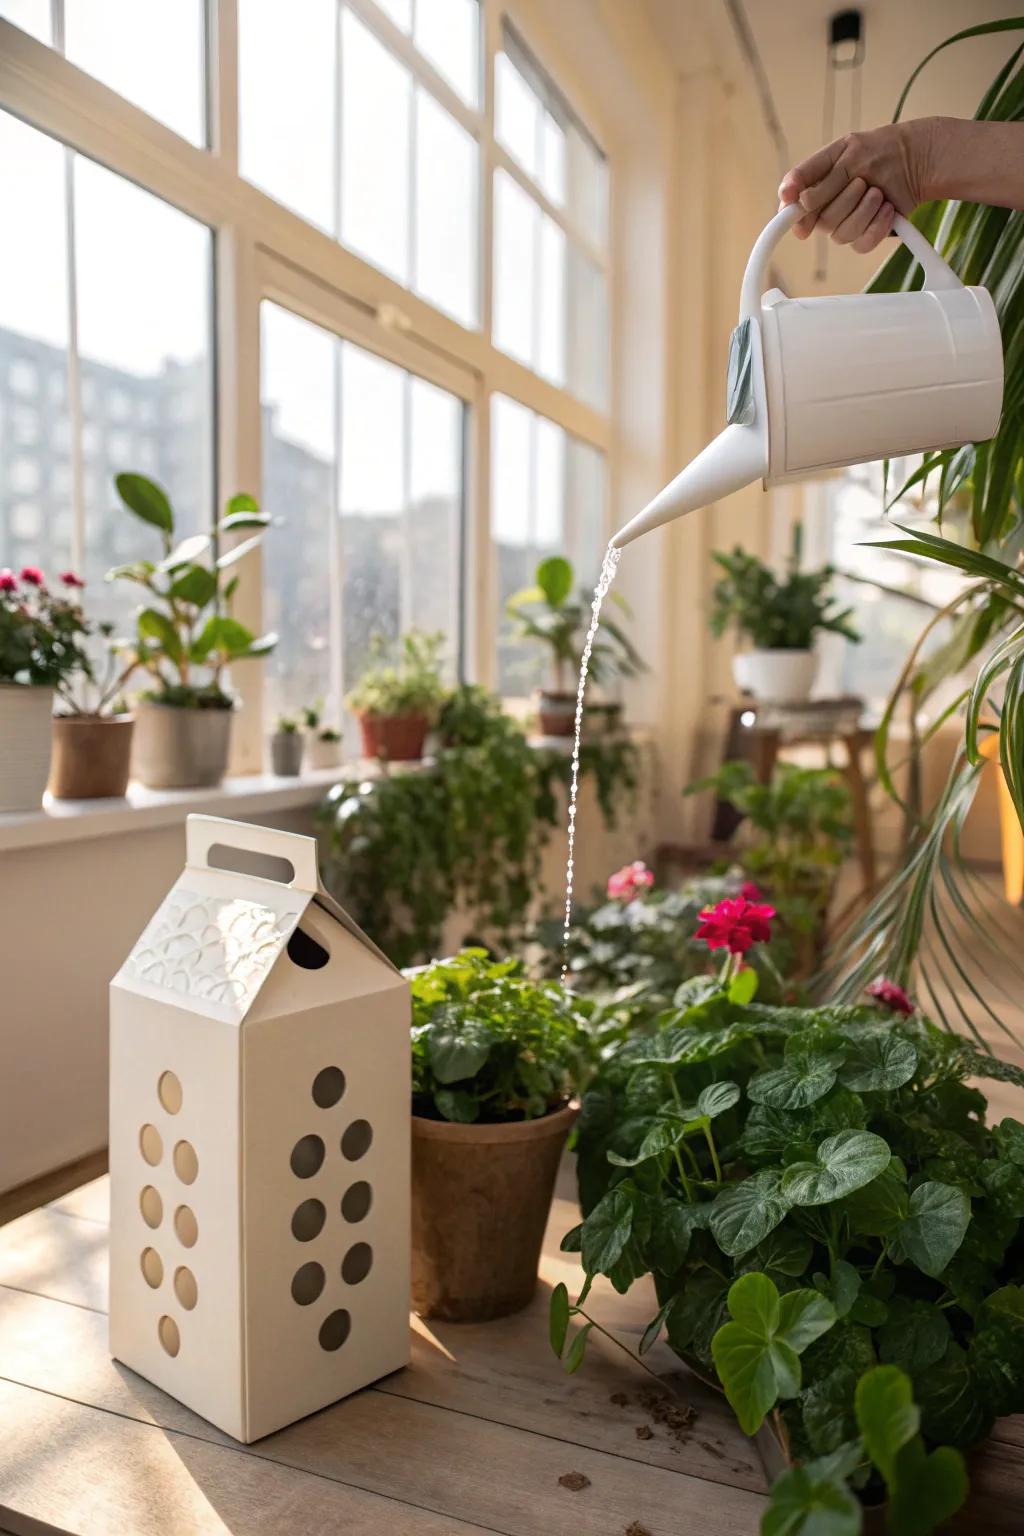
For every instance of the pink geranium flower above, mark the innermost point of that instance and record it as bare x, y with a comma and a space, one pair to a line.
71, 580
735, 924
624, 884
33, 575
8, 580
750, 891
890, 995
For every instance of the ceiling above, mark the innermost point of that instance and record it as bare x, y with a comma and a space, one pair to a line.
789, 37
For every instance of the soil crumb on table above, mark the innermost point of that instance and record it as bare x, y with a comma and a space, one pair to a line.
644, 1432
620, 1399
574, 1481
675, 1417
636, 1529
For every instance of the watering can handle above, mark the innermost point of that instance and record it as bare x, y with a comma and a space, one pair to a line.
936, 273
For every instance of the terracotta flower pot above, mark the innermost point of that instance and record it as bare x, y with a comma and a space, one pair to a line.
176, 748
394, 738
24, 745
556, 712
91, 756
480, 1201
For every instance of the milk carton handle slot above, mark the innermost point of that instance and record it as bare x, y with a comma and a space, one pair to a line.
203, 832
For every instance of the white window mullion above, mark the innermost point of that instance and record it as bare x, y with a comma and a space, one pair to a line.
336, 557
222, 81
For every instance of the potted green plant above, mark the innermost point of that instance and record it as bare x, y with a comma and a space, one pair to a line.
92, 726
779, 617
832, 1226
323, 742
399, 696
286, 747
496, 1063
557, 617
185, 638
42, 647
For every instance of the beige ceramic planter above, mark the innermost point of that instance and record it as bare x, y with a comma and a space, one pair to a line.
180, 748
91, 756
480, 1201
24, 745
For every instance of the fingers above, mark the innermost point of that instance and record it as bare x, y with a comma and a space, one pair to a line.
879, 228
854, 225
842, 205
809, 172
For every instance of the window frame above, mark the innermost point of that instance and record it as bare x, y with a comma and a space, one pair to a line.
262, 249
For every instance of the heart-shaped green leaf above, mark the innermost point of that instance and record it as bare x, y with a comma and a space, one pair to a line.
662, 1137
934, 1229
803, 1504
927, 1489
457, 1048
606, 1231
843, 1163
743, 1214
878, 1208
876, 1062
886, 1415
914, 1337
716, 1098
743, 987
800, 1081
757, 1353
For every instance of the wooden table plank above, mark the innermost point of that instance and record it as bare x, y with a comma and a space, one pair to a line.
59, 1466
50, 1254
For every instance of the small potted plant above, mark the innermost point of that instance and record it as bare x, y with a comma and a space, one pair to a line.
780, 617
323, 742
396, 701
92, 728
496, 1063
286, 747
555, 616
42, 640
185, 637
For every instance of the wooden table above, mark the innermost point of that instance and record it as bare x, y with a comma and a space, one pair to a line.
473, 1437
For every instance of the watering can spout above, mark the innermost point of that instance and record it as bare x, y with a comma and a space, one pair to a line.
737, 457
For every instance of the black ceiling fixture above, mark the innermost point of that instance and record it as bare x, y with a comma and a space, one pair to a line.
844, 57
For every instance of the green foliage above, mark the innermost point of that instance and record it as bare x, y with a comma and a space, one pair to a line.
402, 681
839, 1242
549, 614
465, 832
776, 614
185, 635
488, 1045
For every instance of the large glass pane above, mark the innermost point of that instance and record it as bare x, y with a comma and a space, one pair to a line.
375, 180
435, 510
586, 329
144, 289
517, 114
298, 385
446, 215
550, 355
152, 53
516, 218
586, 178
35, 440
31, 16
287, 84
448, 34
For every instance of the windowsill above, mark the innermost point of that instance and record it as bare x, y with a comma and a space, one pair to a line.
67, 821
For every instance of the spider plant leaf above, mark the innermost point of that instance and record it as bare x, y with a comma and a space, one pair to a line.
983, 29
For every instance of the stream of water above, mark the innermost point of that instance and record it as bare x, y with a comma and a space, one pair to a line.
608, 568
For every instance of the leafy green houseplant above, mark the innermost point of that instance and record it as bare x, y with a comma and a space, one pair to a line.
554, 615
186, 638
797, 831
833, 1230
43, 635
399, 696
779, 616
497, 1060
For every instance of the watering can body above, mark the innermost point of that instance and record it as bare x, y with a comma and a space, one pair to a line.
819, 383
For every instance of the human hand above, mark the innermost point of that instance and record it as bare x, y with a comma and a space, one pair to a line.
852, 188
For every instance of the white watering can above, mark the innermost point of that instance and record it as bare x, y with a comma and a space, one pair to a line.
820, 383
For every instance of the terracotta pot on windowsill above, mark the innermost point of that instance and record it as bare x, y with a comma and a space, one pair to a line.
480, 1201
556, 711
91, 756
393, 738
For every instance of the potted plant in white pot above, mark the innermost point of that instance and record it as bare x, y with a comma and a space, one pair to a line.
185, 637
396, 701
286, 748
553, 614
92, 726
780, 618
42, 636
323, 742
497, 1062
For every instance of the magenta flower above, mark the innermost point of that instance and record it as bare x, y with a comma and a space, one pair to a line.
750, 891
735, 924
33, 575
8, 580
890, 995
624, 884
71, 580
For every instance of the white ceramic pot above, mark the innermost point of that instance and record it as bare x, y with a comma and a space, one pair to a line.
25, 742
741, 671
780, 677
322, 754
175, 748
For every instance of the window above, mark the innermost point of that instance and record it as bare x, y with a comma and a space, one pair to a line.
547, 498
152, 53
142, 328
550, 232
363, 464
402, 189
